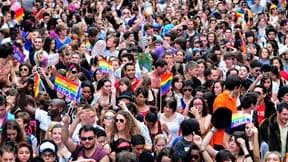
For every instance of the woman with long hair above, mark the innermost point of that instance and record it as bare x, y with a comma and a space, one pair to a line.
11, 131
24, 152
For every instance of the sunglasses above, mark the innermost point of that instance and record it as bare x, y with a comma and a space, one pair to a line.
109, 117
119, 120
74, 72
23, 69
187, 89
196, 157
86, 138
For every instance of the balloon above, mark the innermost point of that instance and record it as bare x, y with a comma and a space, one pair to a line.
98, 48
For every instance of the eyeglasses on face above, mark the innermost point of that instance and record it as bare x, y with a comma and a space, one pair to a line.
87, 138
23, 69
119, 120
187, 89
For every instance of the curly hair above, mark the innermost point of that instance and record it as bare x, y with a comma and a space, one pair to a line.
130, 126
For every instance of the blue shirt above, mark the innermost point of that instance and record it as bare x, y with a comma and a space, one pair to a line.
60, 44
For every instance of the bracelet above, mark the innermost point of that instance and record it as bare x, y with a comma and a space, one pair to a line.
201, 151
246, 156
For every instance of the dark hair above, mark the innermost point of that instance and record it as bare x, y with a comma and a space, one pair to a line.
128, 64
102, 82
160, 62
87, 128
249, 99
100, 133
232, 82
255, 63
204, 109
25, 144
142, 90
168, 152
224, 155
27, 65
137, 140
14, 126
151, 117
280, 62
3, 100
189, 157
126, 156
281, 106
170, 102
189, 126
47, 44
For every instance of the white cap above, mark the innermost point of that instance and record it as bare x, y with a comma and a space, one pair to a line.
47, 146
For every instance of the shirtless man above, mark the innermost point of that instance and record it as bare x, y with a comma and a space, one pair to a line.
160, 68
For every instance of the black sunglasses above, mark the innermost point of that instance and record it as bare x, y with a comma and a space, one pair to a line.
86, 138
23, 69
119, 120
187, 89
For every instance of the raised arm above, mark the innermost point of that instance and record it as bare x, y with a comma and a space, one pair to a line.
71, 146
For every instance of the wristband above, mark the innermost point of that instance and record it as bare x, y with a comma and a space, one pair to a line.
246, 156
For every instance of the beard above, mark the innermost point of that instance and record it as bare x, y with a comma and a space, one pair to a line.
88, 148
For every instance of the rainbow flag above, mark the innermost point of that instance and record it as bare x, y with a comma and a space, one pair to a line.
19, 14
67, 88
105, 67
240, 118
37, 84
166, 83
243, 43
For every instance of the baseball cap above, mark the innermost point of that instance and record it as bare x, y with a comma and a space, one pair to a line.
47, 146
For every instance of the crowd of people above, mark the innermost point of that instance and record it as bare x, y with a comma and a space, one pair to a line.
83, 80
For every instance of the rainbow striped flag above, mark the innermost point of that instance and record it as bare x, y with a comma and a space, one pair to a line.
166, 83
105, 67
19, 14
37, 84
240, 118
67, 88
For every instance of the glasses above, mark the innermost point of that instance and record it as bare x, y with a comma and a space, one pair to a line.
74, 72
86, 138
109, 117
195, 157
187, 89
119, 120
23, 69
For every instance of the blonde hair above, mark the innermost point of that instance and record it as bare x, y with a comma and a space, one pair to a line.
49, 130
159, 137
270, 153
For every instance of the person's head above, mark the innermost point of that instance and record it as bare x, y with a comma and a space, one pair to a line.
129, 70
225, 156
277, 62
216, 74
11, 131
125, 123
187, 88
87, 90
73, 72
190, 127
233, 144
177, 82
24, 152
56, 107
261, 93
166, 155
151, 119
22, 118
125, 85
48, 151
160, 66
87, 134
200, 104
56, 133
194, 154
108, 118
101, 137
218, 87
249, 101
25, 70
283, 94
272, 156
233, 84
126, 156
141, 95
3, 103
104, 85
138, 143
169, 106
255, 66
282, 113
8, 152
192, 68
159, 143
265, 53
243, 72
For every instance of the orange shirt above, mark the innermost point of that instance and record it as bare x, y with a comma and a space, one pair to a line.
223, 100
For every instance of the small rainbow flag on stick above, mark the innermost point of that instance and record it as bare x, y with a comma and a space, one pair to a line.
240, 118
37, 85
105, 67
67, 88
166, 83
